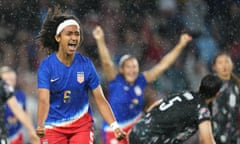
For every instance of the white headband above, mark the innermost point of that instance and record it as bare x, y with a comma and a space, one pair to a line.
123, 58
66, 23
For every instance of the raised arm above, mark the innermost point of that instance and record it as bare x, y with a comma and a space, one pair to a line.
106, 60
205, 133
23, 118
168, 59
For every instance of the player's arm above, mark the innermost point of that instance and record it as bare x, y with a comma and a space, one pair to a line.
106, 112
106, 60
205, 133
23, 118
43, 108
168, 59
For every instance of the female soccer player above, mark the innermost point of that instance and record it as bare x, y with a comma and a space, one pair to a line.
65, 78
7, 97
225, 108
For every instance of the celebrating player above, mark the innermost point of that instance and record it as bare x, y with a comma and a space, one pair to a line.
65, 78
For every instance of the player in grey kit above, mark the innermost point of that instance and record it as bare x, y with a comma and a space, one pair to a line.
178, 117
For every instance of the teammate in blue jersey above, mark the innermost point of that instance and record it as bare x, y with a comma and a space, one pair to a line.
126, 87
65, 78
7, 97
14, 126
175, 119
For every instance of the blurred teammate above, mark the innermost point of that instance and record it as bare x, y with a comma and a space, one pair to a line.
14, 126
177, 118
7, 96
127, 84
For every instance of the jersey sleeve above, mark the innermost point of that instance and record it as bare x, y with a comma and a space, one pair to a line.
143, 79
93, 78
203, 114
21, 97
43, 75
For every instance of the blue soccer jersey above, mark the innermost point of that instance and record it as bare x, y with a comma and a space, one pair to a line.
69, 87
13, 124
126, 100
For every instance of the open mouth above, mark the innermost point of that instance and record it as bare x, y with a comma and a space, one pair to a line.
72, 46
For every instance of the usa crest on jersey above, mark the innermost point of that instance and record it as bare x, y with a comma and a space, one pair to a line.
80, 77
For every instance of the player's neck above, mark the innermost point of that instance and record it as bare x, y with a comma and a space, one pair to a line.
66, 59
208, 101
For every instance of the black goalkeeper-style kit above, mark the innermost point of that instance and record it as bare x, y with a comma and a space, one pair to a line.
5, 93
225, 112
172, 122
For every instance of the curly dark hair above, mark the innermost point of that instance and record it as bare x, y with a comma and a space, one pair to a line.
55, 16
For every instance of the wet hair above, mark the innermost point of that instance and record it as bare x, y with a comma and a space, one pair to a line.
210, 85
220, 54
4, 69
55, 16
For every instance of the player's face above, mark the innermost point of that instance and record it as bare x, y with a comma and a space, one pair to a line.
130, 70
223, 66
10, 78
69, 39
